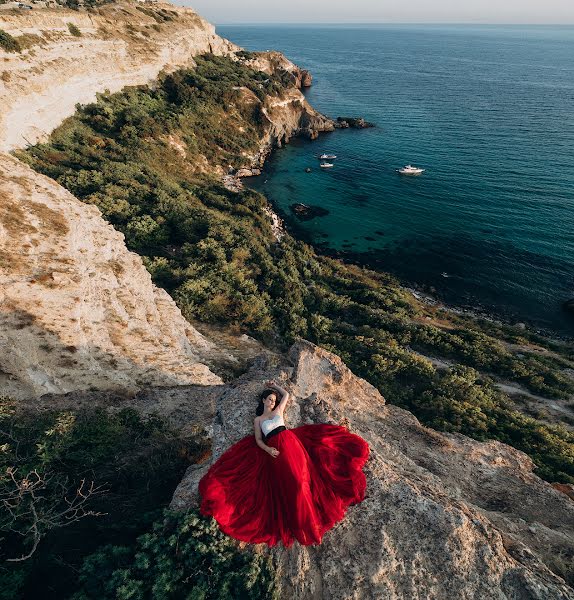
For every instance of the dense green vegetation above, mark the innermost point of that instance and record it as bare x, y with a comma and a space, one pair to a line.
183, 556
214, 251
125, 468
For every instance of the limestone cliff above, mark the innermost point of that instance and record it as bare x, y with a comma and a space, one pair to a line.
120, 44
77, 310
287, 116
444, 517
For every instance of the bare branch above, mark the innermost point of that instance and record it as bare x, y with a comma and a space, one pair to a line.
36, 503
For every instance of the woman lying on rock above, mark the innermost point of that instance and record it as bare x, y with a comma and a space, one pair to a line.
284, 484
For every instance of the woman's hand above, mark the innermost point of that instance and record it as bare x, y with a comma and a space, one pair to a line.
274, 452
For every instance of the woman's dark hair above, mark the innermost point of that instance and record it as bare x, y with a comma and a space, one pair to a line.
260, 408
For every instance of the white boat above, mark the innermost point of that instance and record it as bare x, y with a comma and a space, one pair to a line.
410, 170
326, 165
327, 157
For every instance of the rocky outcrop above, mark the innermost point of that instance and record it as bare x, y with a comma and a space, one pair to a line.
354, 122
444, 517
78, 310
120, 44
306, 79
272, 61
304, 212
289, 115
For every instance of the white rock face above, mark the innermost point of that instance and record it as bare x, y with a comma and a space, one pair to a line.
120, 45
78, 310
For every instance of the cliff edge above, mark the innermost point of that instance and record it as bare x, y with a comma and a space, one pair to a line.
444, 516
77, 309
118, 44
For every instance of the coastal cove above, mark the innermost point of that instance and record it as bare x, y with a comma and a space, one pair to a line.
488, 226
150, 295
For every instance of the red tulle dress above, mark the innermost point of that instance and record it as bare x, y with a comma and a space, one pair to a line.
298, 495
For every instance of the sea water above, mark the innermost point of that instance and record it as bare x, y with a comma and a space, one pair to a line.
488, 111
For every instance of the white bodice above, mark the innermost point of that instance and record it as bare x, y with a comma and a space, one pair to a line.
268, 425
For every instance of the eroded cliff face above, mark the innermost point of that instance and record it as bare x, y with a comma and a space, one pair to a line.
77, 309
289, 115
444, 517
120, 44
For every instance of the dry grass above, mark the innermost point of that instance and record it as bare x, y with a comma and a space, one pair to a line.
27, 40
51, 219
14, 219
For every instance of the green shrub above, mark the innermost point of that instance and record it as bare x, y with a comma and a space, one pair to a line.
136, 461
184, 555
74, 30
9, 43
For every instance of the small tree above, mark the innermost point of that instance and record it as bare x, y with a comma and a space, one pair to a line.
74, 30
35, 503
9, 43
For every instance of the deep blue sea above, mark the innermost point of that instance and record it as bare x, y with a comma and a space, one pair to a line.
488, 111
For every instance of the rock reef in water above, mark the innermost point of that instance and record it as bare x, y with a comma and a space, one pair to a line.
354, 122
306, 212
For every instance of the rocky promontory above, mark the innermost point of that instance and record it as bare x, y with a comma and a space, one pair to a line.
444, 516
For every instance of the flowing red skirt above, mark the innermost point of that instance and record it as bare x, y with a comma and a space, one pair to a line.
299, 495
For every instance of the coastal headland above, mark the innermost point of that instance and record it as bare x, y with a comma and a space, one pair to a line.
146, 298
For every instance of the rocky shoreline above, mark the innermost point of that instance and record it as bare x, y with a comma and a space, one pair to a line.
420, 292
310, 127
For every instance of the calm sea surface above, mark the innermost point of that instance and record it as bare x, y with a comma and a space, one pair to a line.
488, 111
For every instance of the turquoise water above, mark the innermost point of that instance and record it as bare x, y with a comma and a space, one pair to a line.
488, 111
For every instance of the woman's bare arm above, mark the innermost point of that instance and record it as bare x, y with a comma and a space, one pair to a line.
259, 440
284, 396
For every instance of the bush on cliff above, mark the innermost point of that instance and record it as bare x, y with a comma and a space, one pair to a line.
9, 43
184, 555
74, 30
46, 457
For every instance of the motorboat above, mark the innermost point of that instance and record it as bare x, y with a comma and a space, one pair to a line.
327, 157
326, 165
410, 170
